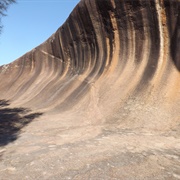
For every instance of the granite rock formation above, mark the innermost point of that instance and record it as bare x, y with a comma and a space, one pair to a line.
112, 67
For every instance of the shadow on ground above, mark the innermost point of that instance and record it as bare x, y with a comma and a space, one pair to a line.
12, 120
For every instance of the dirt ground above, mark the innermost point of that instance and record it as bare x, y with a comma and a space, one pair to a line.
54, 151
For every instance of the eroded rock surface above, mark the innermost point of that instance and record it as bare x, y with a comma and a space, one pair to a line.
106, 88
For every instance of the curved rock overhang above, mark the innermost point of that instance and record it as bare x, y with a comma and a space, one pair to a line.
112, 61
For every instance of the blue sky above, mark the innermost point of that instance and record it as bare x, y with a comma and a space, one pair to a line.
29, 23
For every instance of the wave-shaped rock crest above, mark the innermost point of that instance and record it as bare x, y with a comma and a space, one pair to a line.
112, 61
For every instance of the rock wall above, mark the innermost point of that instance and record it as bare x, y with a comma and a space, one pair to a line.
112, 61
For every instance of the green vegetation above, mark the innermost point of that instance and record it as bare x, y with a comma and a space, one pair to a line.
4, 4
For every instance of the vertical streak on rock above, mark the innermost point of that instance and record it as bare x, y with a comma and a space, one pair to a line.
161, 59
105, 10
154, 41
116, 44
164, 46
123, 37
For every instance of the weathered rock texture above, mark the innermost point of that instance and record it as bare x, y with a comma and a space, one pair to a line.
113, 67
